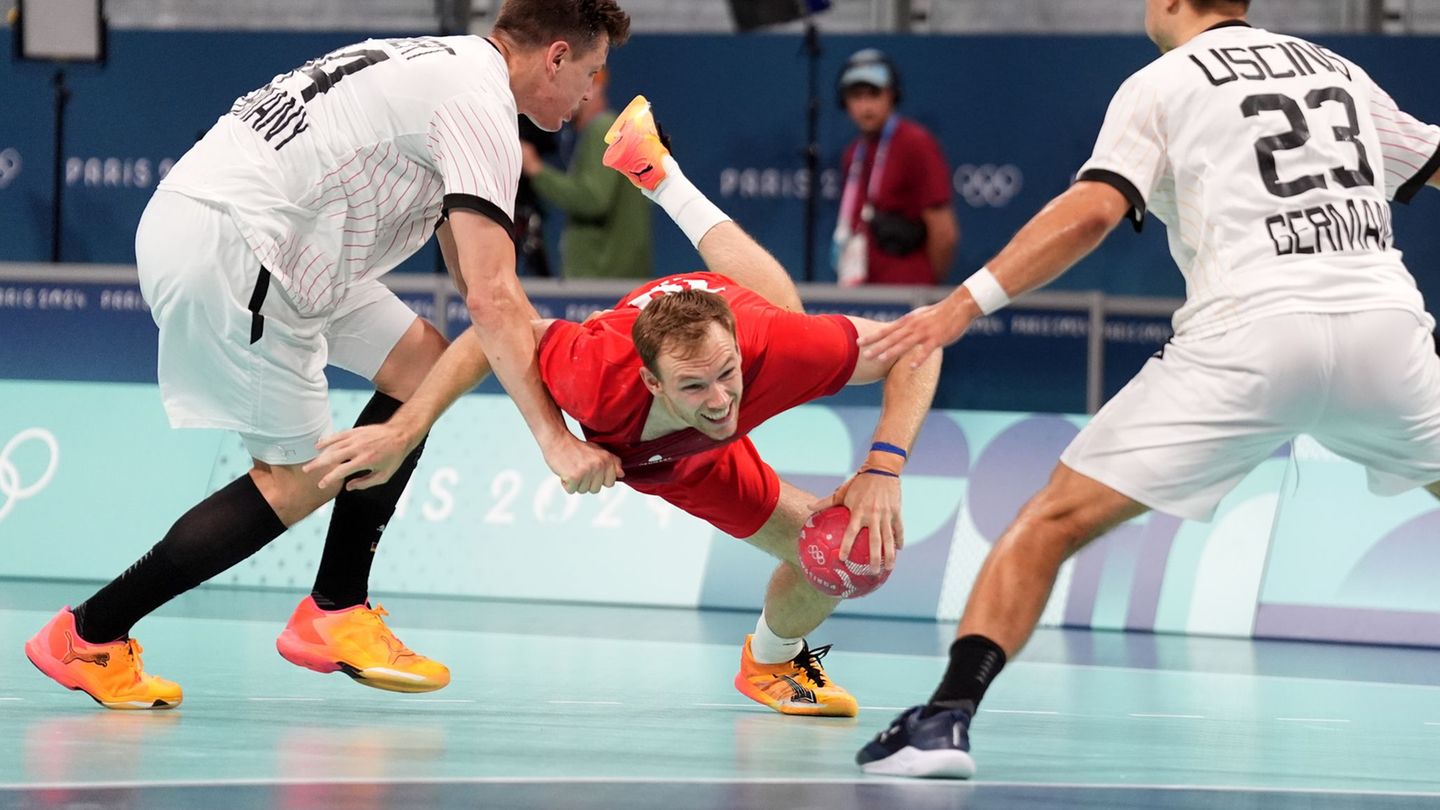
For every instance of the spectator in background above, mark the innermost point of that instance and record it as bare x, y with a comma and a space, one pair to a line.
607, 234
896, 225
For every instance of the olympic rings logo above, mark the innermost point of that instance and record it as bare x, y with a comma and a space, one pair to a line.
816, 553
988, 185
10, 487
10, 164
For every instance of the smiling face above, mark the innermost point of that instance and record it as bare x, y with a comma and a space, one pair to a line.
700, 385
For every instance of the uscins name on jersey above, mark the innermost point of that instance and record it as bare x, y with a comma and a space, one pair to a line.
1252, 64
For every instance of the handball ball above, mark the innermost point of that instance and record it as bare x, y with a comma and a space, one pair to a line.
819, 553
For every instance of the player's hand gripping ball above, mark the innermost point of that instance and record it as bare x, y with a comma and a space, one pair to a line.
819, 553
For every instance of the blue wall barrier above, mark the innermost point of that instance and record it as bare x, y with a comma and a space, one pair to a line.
1020, 359
1299, 549
1016, 117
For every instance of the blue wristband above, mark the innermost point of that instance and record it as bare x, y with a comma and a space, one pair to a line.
886, 447
885, 473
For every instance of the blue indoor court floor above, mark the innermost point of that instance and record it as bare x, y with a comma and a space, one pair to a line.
578, 706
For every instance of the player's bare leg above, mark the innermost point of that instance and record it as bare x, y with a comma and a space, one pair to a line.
1005, 603
411, 359
793, 608
291, 492
638, 151
777, 667
731, 252
1014, 584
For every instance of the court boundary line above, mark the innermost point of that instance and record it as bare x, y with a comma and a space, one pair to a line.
641, 780
1259, 675
1021, 663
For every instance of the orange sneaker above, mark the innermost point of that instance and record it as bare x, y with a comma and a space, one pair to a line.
111, 673
798, 686
356, 641
635, 147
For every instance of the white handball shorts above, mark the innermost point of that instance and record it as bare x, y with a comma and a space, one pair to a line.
1204, 412
262, 373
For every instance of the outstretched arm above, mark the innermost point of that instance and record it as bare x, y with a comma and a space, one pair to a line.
873, 494
1063, 233
480, 256
502, 318
377, 450
373, 452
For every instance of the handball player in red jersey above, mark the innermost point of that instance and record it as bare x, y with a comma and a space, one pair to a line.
673, 379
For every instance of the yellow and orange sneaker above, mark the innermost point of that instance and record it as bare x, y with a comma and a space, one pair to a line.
110, 673
798, 686
356, 641
636, 149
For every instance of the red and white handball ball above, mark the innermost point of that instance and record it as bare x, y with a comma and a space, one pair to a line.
819, 553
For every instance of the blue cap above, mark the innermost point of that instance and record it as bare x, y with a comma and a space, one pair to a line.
867, 67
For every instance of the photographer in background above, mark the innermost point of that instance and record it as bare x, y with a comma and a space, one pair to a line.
896, 225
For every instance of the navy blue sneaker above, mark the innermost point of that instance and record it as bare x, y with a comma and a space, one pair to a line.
936, 746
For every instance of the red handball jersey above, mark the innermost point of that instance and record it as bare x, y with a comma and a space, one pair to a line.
593, 371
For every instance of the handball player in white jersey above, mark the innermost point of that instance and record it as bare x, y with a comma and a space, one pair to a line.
261, 255
1271, 162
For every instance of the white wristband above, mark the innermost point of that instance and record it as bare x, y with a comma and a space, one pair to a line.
986, 291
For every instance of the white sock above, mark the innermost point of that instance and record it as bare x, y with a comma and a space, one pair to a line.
690, 209
768, 648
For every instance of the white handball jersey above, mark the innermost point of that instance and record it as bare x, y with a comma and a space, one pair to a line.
1270, 160
340, 169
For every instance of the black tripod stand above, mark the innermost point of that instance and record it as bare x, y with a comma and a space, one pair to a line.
57, 187
812, 144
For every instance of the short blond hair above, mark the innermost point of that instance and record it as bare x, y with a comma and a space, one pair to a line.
681, 321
